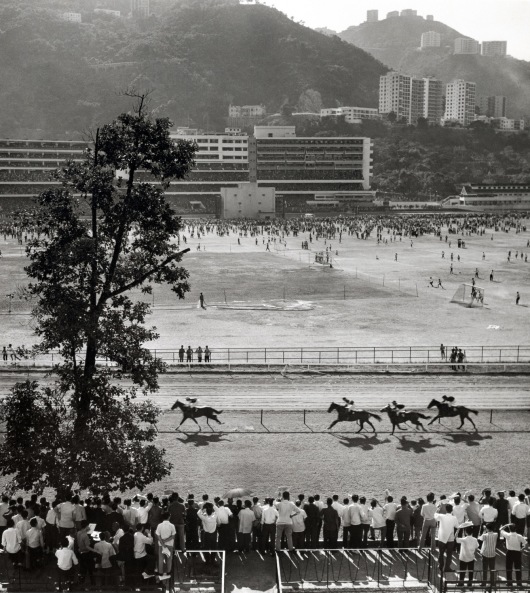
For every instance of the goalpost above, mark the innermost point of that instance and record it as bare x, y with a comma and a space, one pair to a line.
469, 295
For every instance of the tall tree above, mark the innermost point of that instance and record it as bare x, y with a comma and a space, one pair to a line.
102, 237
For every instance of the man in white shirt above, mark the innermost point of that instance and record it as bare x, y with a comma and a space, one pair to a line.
223, 520
269, 516
448, 523
488, 513
165, 535
468, 547
143, 560
299, 527
515, 543
390, 509
286, 509
356, 520
519, 514
11, 542
65, 514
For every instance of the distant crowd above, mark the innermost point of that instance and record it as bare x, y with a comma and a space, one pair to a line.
136, 539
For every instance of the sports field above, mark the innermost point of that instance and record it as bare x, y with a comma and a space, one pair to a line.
282, 298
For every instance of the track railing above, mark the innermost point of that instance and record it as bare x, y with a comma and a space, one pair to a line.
316, 356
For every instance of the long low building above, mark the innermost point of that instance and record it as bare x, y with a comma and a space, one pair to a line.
302, 171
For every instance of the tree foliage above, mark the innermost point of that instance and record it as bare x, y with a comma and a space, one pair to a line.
101, 238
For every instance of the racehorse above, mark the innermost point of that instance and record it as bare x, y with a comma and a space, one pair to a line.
397, 418
445, 411
193, 412
347, 415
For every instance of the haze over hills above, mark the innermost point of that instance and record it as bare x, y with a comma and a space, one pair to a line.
198, 56
396, 42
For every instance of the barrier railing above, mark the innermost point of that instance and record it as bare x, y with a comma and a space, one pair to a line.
347, 569
324, 356
493, 580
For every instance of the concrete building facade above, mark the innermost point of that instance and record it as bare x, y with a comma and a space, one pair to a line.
494, 106
392, 14
352, 115
409, 12
494, 48
460, 100
372, 16
433, 100
71, 17
140, 8
466, 46
430, 39
248, 200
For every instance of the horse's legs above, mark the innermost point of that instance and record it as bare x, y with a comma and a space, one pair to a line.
373, 427
216, 419
468, 417
419, 425
196, 423
361, 422
181, 422
435, 418
208, 423
393, 427
332, 424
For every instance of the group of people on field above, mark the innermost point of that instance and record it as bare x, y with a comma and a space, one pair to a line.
136, 539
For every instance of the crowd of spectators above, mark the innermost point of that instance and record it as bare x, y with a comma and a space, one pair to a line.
135, 539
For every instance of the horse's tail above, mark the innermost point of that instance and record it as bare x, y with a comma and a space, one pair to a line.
423, 416
217, 411
376, 416
474, 411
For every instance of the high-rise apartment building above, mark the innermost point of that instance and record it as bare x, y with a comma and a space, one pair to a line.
466, 46
430, 39
140, 8
494, 48
429, 17
71, 17
460, 100
409, 12
494, 106
432, 100
372, 16
410, 98
392, 14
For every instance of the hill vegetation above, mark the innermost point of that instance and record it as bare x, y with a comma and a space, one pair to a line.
198, 56
396, 43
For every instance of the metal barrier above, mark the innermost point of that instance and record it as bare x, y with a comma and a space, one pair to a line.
495, 580
326, 356
202, 570
346, 569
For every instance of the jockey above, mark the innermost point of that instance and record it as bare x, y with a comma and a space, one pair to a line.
350, 404
448, 400
191, 402
398, 408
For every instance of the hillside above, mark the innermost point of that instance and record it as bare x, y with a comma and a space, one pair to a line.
196, 55
389, 40
396, 41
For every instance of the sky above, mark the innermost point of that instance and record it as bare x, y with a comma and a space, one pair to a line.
484, 20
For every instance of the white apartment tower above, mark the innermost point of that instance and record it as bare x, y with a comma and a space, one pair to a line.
410, 98
466, 46
494, 48
372, 16
460, 100
430, 39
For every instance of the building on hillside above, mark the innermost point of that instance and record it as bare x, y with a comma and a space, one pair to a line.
506, 124
409, 12
392, 14
494, 48
463, 45
71, 17
372, 16
483, 197
352, 115
115, 13
430, 39
494, 106
248, 200
460, 100
433, 100
241, 116
274, 132
429, 17
140, 8
410, 98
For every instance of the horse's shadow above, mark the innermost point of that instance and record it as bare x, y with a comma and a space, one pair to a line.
203, 439
471, 439
416, 446
365, 442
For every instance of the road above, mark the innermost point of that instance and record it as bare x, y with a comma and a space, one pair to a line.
297, 391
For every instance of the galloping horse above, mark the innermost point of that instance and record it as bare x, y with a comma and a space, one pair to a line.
192, 412
445, 411
347, 415
397, 418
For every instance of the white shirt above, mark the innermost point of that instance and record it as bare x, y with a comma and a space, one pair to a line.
356, 514
11, 540
488, 514
390, 509
338, 507
269, 516
468, 547
459, 512
65, 558
514, 540
223, 515
286, 508
299, 521
209, 522
378, 517
139, 544
142, 513
520, 510
166, 533
117, 537
446, 530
